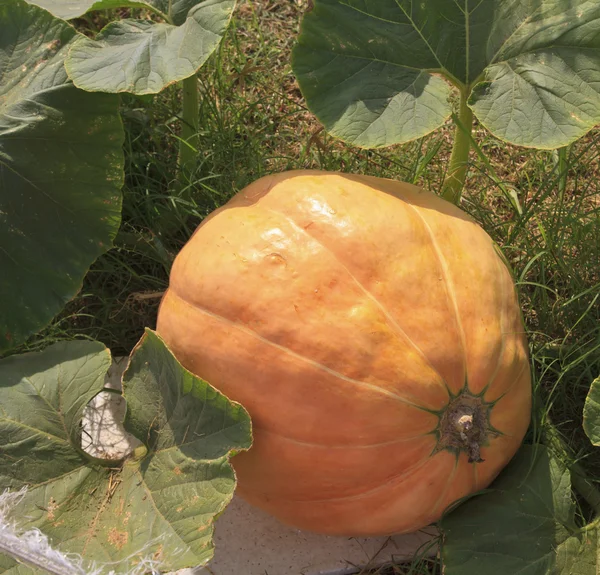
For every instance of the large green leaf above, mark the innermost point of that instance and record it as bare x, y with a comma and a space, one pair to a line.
68, 9
524, 524
163, 500
61, 170
591, 412
143, 56
42, 398
175, 11
370, 69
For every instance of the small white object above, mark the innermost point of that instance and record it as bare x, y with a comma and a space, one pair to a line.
102, 433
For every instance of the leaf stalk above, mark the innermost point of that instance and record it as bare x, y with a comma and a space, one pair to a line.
459, 160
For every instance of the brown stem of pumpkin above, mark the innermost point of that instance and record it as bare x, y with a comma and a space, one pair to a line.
469, 435
464, 426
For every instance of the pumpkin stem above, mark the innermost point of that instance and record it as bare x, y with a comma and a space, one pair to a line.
464, 426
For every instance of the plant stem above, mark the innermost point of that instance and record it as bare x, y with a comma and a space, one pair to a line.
189, 130
457, 172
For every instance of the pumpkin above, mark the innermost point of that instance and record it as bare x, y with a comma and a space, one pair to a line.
372, 331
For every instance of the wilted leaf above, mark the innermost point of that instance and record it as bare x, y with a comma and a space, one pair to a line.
161, 502
61, 171
143, 56
591, 412
369, 69
524, 524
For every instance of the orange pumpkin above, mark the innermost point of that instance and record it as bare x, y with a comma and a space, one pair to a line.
373, 333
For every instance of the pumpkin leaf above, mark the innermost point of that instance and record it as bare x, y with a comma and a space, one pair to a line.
591, 413
525, 523
68, 9
371, 70
175, 11
61, 171
163, 500
362, 68
143, 56
42, 398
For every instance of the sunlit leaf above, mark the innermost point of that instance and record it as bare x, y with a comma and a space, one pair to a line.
162, 501
371, 70
143, 56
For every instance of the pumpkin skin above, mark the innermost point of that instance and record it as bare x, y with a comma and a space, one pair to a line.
356, 319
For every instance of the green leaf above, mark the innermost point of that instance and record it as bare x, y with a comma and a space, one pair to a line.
175, 11
161, 502
142, 56
542, 88
61, 170
68, 9
42, 398
362, 67
524, 524
178, 10
591, 413
370, 69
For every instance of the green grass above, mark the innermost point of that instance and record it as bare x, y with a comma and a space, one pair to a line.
253, 122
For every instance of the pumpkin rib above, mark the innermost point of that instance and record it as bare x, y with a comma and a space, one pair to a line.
495, 389
342, 445
461, 485
450, 291
299, 356
342, 472
444, 492
369, 295
503, 335
515, 381
207, 346
499, 408
405, 474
